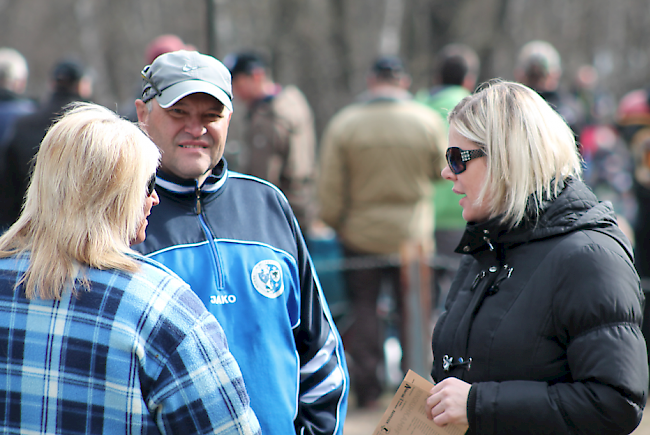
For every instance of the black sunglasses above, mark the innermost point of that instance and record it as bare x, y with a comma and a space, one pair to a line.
457, 158
151, 185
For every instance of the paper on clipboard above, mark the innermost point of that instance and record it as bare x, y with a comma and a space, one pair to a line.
406, 413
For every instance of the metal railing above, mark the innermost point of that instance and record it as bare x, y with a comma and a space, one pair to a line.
416, 292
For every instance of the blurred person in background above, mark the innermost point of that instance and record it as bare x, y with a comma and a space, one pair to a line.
608, 162
539, 67
633, 122
13, 82
455, 77
97, 339
542, 328
598, 105
161, 44
641, 153
69, 83
235, 240
378, 158
279, 136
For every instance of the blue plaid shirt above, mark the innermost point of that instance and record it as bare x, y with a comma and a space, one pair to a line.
138, 353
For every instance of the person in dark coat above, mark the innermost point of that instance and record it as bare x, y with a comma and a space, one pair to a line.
542, 328
70, 83
13, 82
539, 66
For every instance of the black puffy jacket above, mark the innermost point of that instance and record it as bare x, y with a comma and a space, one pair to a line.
544, 321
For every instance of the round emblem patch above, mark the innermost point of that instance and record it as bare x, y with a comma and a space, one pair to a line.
267, 278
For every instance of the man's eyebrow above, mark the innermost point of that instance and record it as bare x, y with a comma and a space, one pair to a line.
218, 108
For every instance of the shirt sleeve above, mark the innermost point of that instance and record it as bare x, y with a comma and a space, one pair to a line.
200, 389
324, 379
331, 177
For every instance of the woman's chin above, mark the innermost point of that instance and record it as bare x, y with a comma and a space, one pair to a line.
140, 237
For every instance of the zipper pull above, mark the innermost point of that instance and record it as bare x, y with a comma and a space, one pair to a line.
447, 361
486, 238
495, 287
198, 201
449, 364
479, 277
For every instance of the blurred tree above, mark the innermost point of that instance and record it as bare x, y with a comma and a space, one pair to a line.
325, 46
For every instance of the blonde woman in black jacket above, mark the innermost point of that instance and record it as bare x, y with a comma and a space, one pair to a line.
541, 332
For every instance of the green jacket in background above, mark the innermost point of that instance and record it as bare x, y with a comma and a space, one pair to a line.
448, 213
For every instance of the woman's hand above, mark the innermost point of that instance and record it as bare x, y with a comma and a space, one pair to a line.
447, 402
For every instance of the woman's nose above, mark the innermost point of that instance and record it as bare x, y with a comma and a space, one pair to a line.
447, 173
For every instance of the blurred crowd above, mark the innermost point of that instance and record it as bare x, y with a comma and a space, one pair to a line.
613, 135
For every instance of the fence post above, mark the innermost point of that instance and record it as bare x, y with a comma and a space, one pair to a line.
416, 307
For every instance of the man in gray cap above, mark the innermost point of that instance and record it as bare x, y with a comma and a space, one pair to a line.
235, 240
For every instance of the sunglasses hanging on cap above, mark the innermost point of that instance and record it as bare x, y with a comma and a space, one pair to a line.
457, 158
145, 75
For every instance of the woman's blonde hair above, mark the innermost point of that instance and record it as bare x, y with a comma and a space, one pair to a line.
530, 148
85, 201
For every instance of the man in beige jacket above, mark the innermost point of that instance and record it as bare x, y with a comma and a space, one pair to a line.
379, 156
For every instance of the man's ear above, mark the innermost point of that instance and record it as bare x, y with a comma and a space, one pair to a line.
405, 82
141, 110
258, 75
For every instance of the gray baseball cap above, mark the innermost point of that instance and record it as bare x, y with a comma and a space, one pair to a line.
178, 74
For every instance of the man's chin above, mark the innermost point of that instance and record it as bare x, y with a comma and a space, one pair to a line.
199, 170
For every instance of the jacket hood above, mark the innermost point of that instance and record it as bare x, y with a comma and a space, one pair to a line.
575, 209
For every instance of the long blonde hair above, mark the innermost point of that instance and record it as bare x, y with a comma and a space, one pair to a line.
530, 148
85, 200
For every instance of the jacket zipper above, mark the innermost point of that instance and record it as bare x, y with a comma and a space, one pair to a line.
496, 275
216, 259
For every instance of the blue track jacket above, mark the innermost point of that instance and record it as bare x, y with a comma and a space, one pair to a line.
237, 243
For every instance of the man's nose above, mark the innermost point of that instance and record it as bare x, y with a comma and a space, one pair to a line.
195, 127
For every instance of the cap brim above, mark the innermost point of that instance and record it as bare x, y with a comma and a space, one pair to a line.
172, 94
